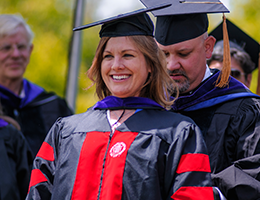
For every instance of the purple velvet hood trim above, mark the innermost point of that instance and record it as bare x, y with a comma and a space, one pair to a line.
207, 94
31, 92
113, 103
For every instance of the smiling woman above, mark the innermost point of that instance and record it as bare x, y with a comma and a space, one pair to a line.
127, 146
124, 69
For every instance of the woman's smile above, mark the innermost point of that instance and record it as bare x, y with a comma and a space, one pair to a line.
120, 77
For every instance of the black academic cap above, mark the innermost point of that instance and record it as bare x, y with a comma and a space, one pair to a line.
132, 23
238, 39
184, 19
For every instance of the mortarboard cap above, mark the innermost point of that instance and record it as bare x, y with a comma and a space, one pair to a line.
184, 19
238, 39
132, 23
187, 19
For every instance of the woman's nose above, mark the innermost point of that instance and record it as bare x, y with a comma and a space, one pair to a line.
117, 63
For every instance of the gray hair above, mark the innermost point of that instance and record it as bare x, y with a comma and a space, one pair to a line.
9, 23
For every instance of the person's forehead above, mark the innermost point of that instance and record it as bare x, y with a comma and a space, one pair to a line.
122, 42
183, 46
18, 32
215, 64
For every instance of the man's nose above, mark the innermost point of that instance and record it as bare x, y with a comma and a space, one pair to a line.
172, 63
15, 51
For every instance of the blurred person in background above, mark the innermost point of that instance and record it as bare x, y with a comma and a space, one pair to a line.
15, 158
29, 104
244, 52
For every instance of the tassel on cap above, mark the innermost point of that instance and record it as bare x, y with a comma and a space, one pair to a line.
223, 78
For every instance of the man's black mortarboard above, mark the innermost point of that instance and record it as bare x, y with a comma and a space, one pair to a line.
132, 23
187, 19
184, 19
238, 39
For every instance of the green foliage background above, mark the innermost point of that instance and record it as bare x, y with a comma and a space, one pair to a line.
52, 23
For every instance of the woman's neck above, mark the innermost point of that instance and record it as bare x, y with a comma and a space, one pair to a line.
117, 117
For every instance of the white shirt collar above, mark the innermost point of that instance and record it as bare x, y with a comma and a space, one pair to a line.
208, 73
22, 93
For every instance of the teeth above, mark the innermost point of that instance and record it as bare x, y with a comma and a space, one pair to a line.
120, 77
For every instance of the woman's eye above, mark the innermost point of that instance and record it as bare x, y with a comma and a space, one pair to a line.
107, 56
128, 55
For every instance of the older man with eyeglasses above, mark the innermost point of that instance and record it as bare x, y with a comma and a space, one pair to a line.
34, 108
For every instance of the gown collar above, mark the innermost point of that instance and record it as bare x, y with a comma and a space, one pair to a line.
115, 103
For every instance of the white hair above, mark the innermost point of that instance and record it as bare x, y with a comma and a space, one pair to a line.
9, 23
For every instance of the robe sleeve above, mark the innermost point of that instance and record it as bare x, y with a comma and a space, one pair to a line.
240, 181
188, 160
246, 125
42, 175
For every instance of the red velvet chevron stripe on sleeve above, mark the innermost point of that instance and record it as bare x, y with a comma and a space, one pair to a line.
194, 193
46, 152
194, 162
36, 177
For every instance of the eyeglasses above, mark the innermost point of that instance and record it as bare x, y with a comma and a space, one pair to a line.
10, 47
236, 73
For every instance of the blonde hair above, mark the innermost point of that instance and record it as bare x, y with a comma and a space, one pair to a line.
158, 87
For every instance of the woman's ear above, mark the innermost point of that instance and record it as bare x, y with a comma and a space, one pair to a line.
209, 44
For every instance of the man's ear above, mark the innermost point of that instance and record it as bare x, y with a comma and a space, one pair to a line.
248, 80
209, 44
31, 48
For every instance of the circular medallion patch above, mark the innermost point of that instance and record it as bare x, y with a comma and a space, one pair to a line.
117, 149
